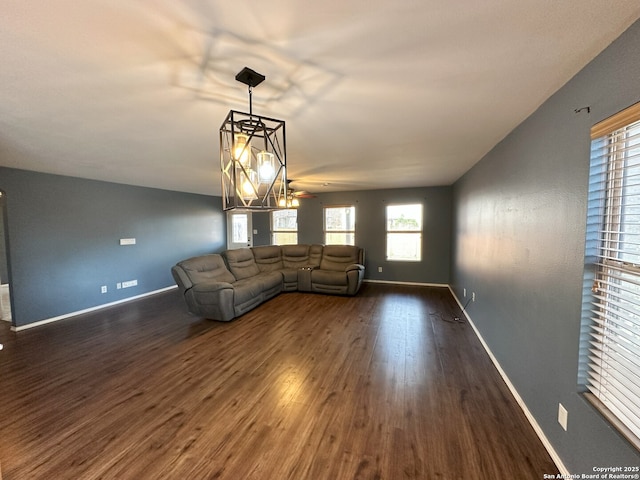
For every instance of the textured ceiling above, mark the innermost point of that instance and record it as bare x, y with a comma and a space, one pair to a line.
376, 94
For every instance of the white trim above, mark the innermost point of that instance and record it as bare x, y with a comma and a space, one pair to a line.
547, 445
87, 310
417, 284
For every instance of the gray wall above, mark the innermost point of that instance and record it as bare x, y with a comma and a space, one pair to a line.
519, 229
64, 240
371, 230
262, 224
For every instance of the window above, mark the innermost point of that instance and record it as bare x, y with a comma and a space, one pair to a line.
611, 356
340, 225
284, 227
404, 232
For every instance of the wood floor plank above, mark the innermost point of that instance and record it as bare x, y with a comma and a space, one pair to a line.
384, 385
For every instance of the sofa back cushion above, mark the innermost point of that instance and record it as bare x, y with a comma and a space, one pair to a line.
339, 257
295, 256
241, 263
315, 255
268, 258
206, 267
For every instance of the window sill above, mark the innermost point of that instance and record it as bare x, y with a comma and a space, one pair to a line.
613, 420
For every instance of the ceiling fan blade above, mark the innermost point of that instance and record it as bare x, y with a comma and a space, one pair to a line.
303, 194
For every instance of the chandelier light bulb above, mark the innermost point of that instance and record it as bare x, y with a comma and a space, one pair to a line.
247, 184
242, 149
265, 167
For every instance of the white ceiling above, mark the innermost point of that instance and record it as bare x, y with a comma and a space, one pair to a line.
376, 94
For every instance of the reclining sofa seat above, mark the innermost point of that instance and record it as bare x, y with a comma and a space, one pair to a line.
336, 260
269, 259
252, 286
222, 287
206, 284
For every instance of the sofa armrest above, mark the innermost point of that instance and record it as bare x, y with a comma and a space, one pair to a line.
181, 278
355, 276
211, 299
355, 266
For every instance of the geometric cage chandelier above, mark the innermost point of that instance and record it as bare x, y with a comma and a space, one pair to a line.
253, 157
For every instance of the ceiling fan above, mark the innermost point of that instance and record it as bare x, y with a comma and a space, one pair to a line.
293, 196
298, 193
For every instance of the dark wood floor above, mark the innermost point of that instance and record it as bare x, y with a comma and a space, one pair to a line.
381, 386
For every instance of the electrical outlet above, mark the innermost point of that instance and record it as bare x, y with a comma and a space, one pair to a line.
464, 292
103, 289
379, 269
118, 285
473, 296
130, 283
563, 416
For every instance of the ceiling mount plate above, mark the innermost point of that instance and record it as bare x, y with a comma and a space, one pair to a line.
250, 77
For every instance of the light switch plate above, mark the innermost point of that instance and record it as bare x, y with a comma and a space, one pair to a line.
563, 416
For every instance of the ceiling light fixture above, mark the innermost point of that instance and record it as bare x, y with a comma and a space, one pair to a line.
291, 201
253, 157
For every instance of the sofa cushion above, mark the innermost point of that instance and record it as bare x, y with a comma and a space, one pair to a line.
271, 283
329, 277
268, 258
209, 292
246, 290
206, 267
338, 257
315, 255
295, 256
241, 263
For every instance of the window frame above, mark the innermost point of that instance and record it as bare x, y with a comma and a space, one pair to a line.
407, 232
347, 231
610, 349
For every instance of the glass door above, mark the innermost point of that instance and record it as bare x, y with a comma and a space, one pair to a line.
239, 230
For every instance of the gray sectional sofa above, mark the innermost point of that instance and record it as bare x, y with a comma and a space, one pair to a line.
225, 286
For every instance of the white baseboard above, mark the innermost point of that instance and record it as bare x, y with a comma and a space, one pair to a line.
92, 309
393, 282
543, 438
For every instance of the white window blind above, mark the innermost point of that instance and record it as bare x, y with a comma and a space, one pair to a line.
613, 359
